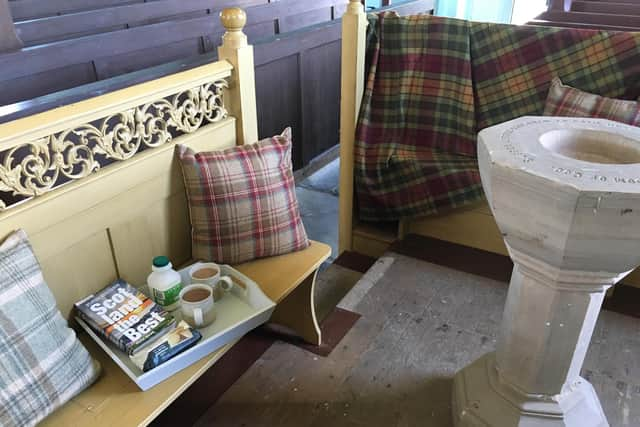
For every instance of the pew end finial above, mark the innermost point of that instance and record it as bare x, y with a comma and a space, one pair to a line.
234, 19
242, 93
355, 7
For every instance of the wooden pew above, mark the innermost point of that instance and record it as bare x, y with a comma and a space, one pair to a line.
618, 8
52, 67
109, 222
30, 9
592, 18
286, 15
562, 24
118, 17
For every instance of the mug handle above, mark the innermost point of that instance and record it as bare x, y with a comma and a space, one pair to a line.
226, 284
197, 316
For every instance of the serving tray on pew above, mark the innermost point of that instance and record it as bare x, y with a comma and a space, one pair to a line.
242, 309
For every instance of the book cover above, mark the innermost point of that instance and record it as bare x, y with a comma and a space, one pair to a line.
166, 346
125, 316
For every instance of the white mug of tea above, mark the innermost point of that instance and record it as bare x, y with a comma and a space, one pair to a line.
196, 303
209, 273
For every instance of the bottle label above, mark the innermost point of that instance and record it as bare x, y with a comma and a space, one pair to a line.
168, 296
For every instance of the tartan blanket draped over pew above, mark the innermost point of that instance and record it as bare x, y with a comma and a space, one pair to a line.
434, 82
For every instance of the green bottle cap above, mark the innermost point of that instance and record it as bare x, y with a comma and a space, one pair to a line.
160, 261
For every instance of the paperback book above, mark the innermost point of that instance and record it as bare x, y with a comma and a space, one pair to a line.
125, 316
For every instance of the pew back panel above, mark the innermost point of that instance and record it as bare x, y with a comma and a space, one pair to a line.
121, 201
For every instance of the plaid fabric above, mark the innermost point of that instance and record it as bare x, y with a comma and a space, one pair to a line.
42, 363
513, 67
242, 201
571, 102
434, 82
415, 141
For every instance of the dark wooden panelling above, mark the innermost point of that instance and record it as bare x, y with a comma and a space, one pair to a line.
305, 67
36, 39
281, 8
55, 55
297, 73
52, 80
301, 20
292, 43
257, 31
66, 26
177, 17
278, 100
110, 66
114, 51
29, 9
52, 28
320, 98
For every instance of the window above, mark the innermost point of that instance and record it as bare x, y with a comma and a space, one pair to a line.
477, 10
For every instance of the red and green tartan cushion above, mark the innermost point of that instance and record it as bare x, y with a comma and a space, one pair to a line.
242, 201
567, 101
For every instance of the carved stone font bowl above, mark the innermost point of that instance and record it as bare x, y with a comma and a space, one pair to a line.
565, 190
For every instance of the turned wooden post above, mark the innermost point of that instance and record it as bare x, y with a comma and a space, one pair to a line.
9, 40
242, 87
354, 28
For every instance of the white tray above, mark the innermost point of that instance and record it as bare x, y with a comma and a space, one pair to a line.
240, 311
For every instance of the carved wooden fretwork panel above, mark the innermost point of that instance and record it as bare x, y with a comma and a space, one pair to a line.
34, 168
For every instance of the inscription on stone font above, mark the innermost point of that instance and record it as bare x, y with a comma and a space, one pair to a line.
595, 177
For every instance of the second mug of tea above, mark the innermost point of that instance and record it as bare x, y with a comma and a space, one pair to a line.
197, 306
209, 273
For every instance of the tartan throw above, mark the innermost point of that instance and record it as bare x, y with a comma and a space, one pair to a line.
571, 102
434, 82
42, 363
242, 201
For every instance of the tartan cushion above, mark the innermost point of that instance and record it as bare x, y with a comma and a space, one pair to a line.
42, 363
242, 201
568, 101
